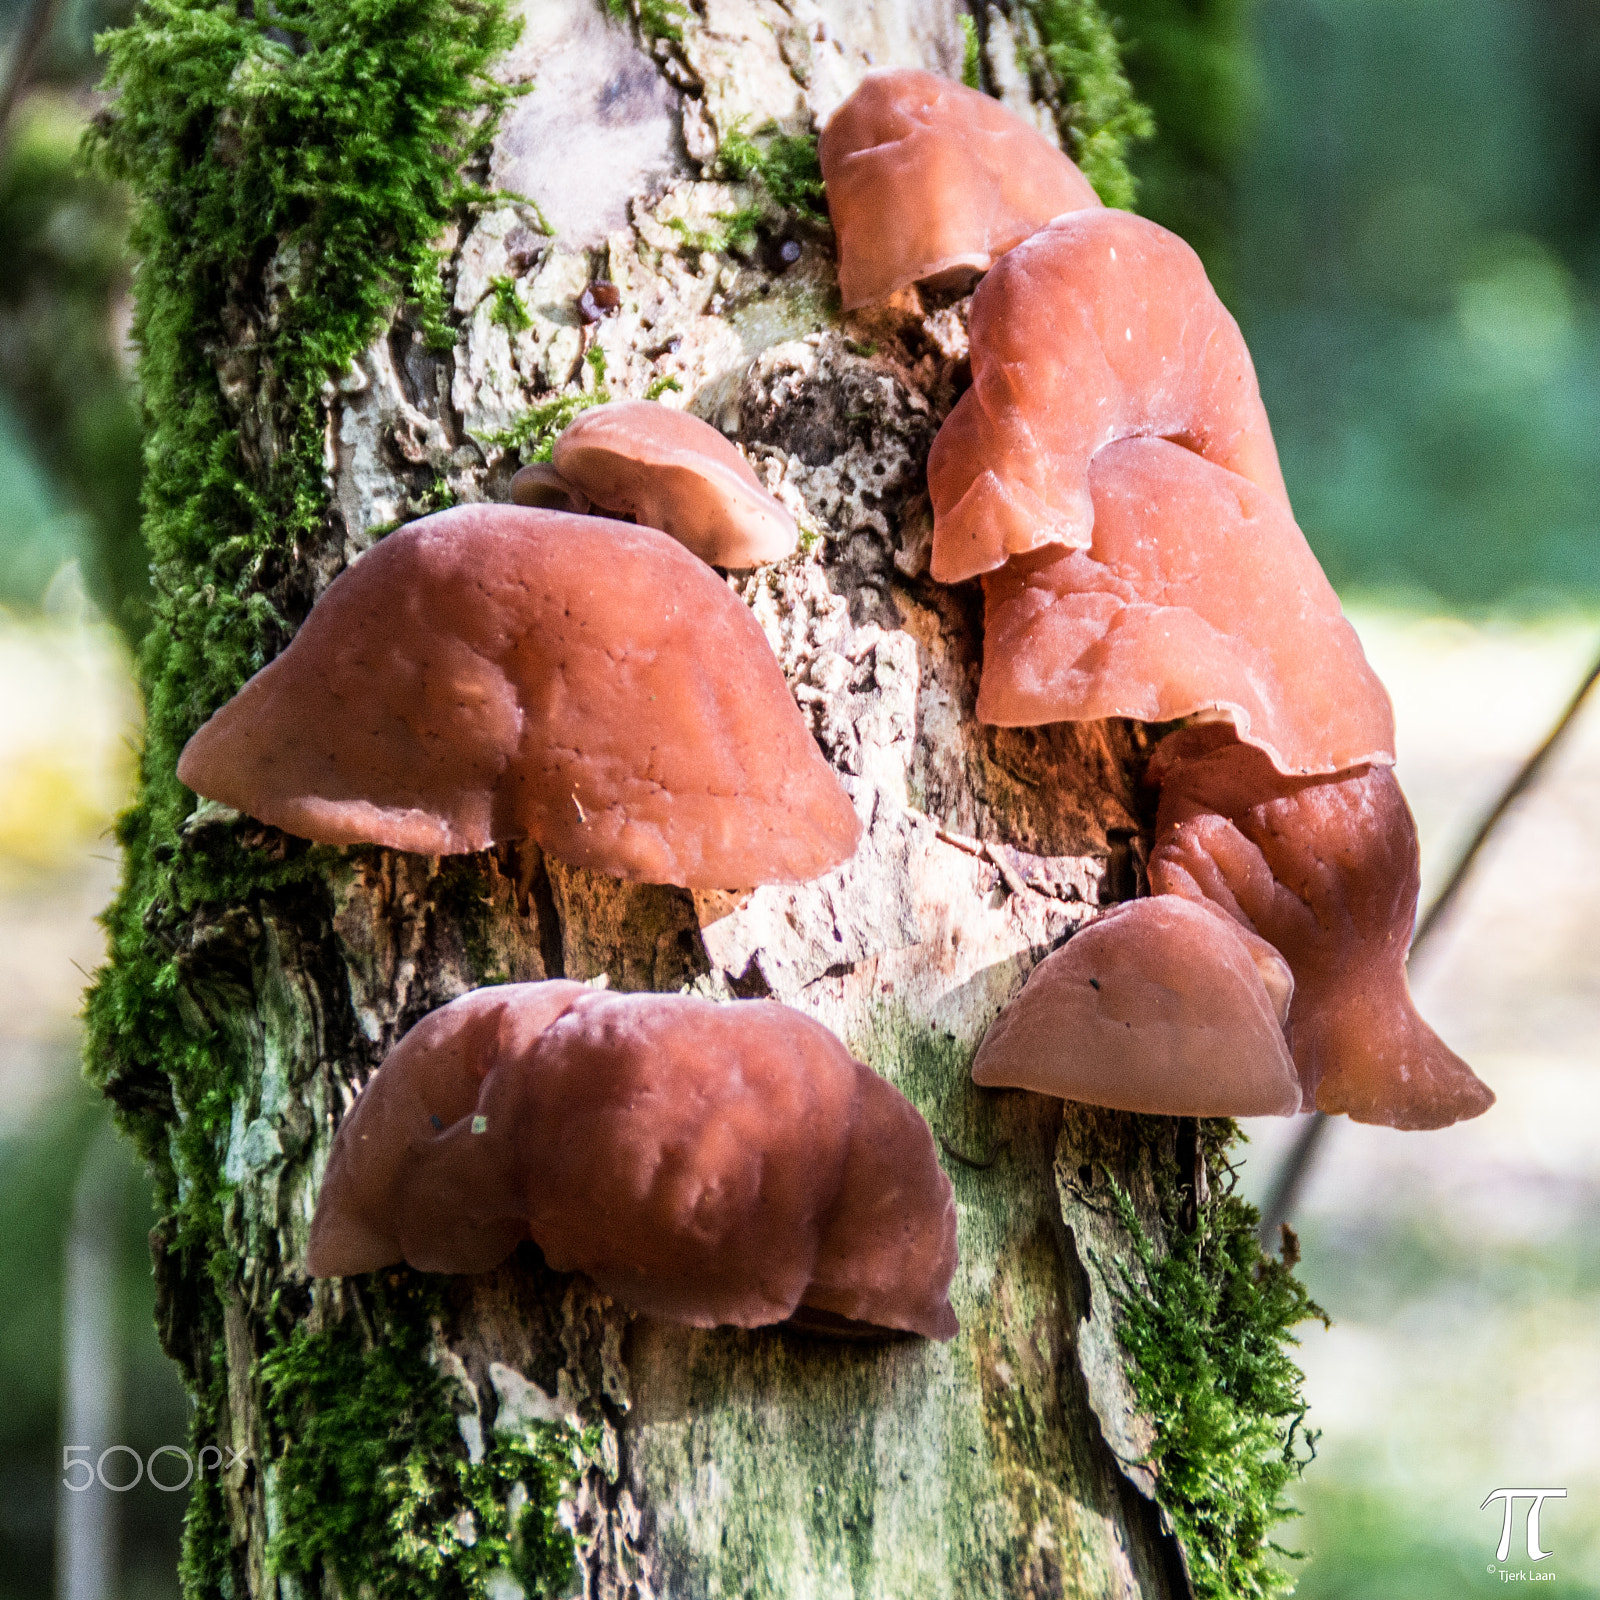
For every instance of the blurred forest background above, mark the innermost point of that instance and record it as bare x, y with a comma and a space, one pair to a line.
1400, 200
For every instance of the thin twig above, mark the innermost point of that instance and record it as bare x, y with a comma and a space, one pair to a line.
1014, 881
1519, 785
972, 847
1291, 1177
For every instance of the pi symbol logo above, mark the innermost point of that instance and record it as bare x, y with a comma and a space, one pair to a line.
1537, 1498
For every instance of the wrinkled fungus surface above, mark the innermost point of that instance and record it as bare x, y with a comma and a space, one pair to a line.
708, 1164
1197, 593
407, 1179
1326, 870
493, 673
1160, 1006
930, 180
671, 471
1099, 327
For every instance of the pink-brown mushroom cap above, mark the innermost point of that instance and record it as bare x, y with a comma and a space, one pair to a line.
928, 179
493, 673
704, 1154
1099, 327
888, 1248
1327, 871
1198, 592
671, 471
539, 485
1157, 1006
705, 1163
683, 1154
399, 1183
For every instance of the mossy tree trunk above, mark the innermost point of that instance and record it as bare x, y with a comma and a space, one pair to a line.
360, 301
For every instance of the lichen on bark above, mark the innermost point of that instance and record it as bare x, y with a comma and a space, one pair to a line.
364, 246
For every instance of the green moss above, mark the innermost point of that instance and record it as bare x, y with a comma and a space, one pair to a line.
971, 52
373, 1481
203, 1563
1074, 50
290, 170
658, 19
783, 167
1207, 1331
700, 238
533, 435
508, 309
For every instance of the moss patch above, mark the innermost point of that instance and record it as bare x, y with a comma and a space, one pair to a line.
658, 19
533, 435
1073, 49
289, 182
1207, 1331
784, 169
373, 1481
290, 170
971, 52
508, 309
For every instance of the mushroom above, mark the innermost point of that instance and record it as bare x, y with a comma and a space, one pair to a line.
1160, 1005
1198, 593
888, 1248
1326, 870
672, 471
929, 181
409, 1177
1100, 326
493, 673
539, 484
709, 1164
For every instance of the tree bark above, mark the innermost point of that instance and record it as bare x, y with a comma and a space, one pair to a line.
778, 1462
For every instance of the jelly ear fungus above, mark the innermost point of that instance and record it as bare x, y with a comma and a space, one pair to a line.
702, 1163
1327, 870
493, 672
669, 470
1100, 326
1197, 594
931, 182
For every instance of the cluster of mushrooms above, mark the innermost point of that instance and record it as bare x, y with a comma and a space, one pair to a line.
1111, 478
544, 671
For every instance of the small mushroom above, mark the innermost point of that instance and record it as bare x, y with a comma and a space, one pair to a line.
1326, 870
1198, 593
929, 181
1160, 1005
1098, 327
493, 673
539, 485
708, 1164
671, 471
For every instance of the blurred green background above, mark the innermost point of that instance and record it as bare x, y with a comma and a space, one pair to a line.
1400, 200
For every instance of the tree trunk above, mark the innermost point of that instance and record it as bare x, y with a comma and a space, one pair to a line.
398, 1434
